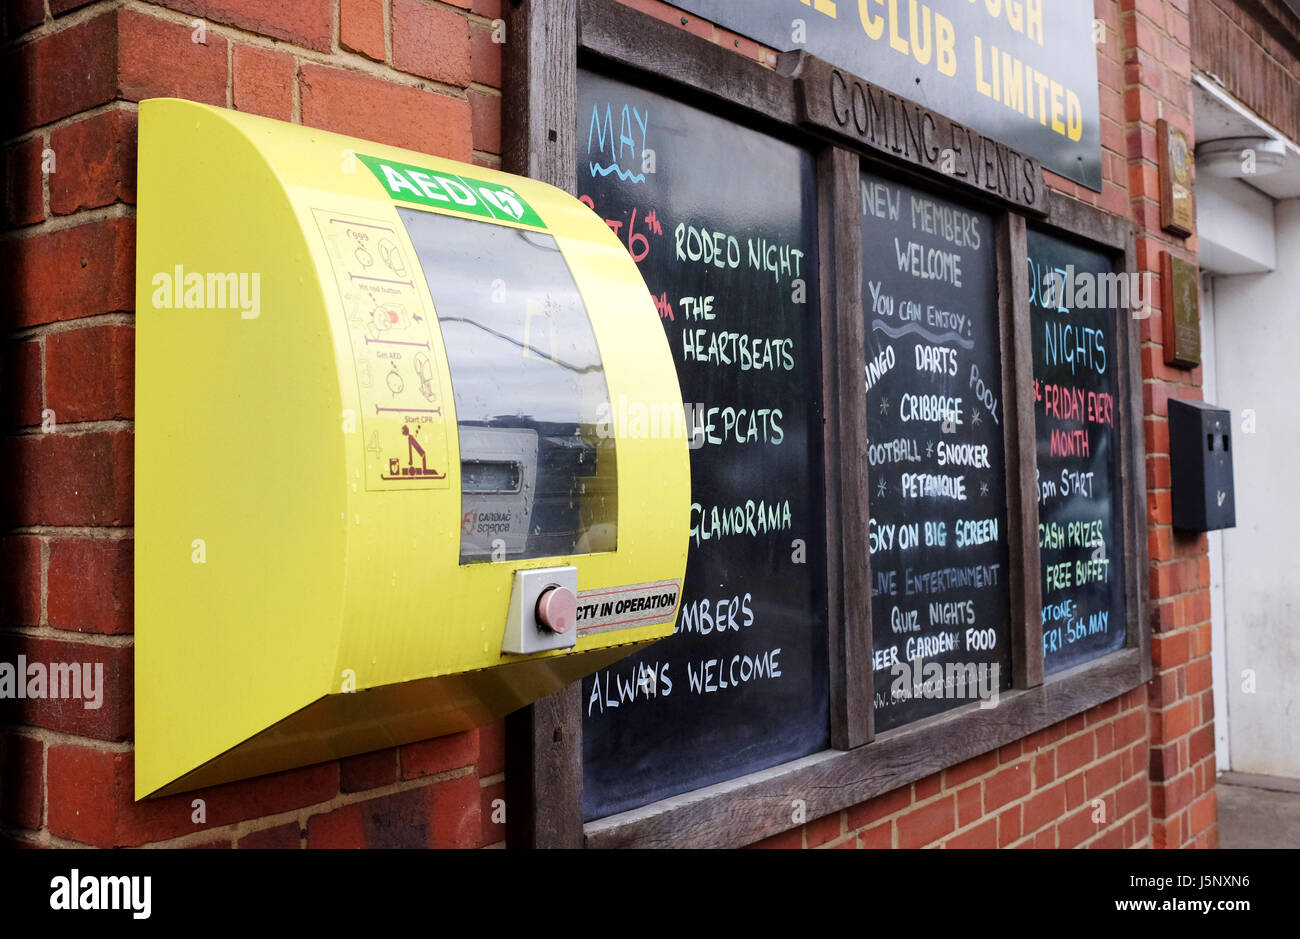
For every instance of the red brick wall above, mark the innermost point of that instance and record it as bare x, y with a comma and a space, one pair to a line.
423, 75
1257, 60
1079, 783
1157, 67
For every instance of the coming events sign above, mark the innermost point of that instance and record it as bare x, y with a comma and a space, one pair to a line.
1023, 72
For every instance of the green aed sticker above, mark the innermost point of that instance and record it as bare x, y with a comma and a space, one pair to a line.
423, 186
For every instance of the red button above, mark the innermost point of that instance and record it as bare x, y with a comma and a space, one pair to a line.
557, 609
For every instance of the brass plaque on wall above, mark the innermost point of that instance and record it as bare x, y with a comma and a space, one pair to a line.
1181, 301
1177, 210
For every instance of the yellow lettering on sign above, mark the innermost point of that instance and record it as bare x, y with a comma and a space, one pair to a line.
896, 42
945, 40
1075, 112
982, 86
822, 6
1013, 83
1016, 15
920, 51
874, 26
1034, 20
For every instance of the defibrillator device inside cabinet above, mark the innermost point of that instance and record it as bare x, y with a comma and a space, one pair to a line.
387, 484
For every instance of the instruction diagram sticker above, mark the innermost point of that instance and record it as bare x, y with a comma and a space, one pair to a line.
610, 608
403, 427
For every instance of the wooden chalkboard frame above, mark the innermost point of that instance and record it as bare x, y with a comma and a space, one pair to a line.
544, 743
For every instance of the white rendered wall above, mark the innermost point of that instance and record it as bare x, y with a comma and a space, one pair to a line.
1257, 368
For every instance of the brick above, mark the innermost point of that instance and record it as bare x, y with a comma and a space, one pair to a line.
101, 709
68, 479
1172, 796
91, 799
1103, 712
485, 115
279, 838
438, 755
1073, 754
969, 804
860, 816
20, 383
20, 580
368, 770
432, 42
1044, 808
1111, 838
90, 373
984, 835
361, 27
1164, 762
441, 815
1045, 737
823, 830
159, 59
1176, 721
1074, 790
1203, 813
926, 825
1131, 727
1009, 826
44, 89
1200, 675
1077, 828
1200, 744
94, 162
877, 837
489, 8
80, 271
1105, 739
362, 106
307, 23
262, 81
964, 772
929, 786
24, 182
493, 820
1010, 752
484, 56
456, 822
1044, 767
91, 584
22, 780
492, 749
1103, 777
786, 840
1007, 785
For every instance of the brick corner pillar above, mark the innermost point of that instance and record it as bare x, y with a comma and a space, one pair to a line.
1157, 72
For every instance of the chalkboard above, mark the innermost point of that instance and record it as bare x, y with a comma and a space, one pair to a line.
940, 601
722, 222
1076, 408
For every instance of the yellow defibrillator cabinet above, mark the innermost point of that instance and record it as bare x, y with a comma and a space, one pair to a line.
409, 442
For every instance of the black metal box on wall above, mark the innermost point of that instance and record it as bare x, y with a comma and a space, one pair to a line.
1200, 464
